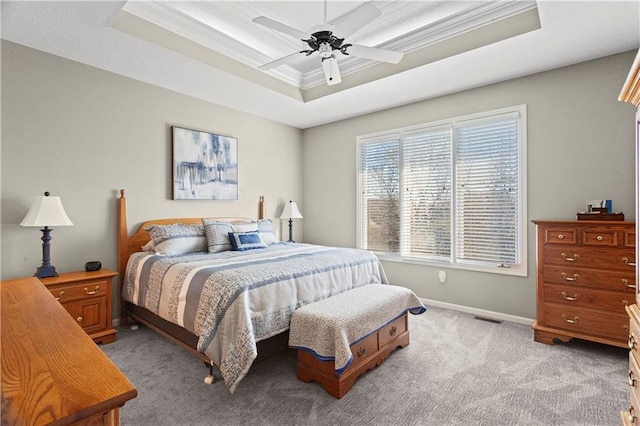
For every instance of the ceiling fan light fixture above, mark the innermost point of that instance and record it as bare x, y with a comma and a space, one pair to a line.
322, 39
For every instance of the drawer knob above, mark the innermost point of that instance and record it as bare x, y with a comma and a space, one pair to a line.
79, 319
631, 416
626, 261
560, 237
569, 259
361, 352
567, 278
86, 291
573, 320
626, 283
60, 295
632, 342
632, 381
599, 238
392, 331
571, 298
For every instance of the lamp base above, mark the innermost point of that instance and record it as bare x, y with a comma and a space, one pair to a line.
45, 271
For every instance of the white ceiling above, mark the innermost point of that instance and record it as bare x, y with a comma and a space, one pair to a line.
210, 50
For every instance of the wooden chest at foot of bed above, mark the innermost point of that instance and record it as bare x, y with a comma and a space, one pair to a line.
367, 354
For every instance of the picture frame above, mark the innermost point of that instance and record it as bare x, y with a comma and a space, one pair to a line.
204, 164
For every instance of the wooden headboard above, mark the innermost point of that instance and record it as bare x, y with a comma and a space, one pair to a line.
127, 245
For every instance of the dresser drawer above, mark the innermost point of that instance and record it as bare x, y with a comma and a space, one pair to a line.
581, 320
81, 290
634, 338
560, 235
595, 278
571, 296
593, 257
600, 237
392, 330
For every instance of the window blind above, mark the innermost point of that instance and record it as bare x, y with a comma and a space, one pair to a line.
426, 199
487, 190
379, 200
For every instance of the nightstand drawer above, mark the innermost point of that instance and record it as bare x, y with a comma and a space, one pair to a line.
82, 290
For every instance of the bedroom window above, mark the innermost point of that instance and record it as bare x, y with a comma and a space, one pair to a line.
450, 193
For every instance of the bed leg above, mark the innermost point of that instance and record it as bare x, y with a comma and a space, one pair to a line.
210, 378
133, 324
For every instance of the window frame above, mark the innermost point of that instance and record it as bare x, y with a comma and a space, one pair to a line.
520, 269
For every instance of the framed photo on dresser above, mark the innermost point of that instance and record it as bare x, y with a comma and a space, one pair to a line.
204, 165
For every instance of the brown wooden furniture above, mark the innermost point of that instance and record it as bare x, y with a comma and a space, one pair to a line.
631, 93
52, 372
367, 354
586, 278
87, 297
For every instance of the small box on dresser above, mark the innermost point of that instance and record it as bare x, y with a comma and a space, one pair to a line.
586, 279
87, 296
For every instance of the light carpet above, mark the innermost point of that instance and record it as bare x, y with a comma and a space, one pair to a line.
457, 370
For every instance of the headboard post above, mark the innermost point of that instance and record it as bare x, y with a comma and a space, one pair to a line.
261, 208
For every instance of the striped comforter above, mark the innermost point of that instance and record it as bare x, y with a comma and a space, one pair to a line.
232, 300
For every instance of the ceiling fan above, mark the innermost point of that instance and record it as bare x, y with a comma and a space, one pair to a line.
328, 40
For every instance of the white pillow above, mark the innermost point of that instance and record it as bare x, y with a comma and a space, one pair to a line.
217, 233
267, 234
180, 238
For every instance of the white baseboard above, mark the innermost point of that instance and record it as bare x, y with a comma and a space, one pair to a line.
480, 312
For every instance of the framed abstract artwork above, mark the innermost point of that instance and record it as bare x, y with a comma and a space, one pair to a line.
205, 165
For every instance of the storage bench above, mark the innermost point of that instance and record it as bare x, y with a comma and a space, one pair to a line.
341, 337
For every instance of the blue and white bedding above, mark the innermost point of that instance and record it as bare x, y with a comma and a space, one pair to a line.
231, 300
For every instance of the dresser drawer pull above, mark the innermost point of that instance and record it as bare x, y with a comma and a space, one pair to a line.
631, 417
626, 261
361, 352
626, 283
571, 298
625, 302
60, 295
632, 381
566, 278
569, 259
573, 320
87, 292
560, 237
632, 343
599, 238
626, 328
79, 319
392, 331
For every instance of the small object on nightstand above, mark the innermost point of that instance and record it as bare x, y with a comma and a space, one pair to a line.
92, 266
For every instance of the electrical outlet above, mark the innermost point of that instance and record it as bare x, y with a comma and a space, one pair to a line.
442, 275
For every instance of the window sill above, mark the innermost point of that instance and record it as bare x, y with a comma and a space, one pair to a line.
518, 271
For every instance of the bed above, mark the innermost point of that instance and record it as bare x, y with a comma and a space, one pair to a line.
219, 303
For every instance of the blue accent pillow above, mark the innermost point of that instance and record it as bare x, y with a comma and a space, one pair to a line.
241, 241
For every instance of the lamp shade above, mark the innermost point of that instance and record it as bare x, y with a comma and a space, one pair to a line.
46, 211
291, 211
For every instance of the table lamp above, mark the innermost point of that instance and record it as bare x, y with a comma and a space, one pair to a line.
291, 212
46, 211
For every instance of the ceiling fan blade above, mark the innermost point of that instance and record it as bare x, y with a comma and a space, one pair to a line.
278, 26
356, 19
278, 62
331, 71
374, 53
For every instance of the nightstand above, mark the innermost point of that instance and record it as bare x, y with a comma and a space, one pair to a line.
87, 297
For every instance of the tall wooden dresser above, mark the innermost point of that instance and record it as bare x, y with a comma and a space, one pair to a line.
631, 93
586, 279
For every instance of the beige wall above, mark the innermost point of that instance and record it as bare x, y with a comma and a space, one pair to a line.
580, 147
83, 133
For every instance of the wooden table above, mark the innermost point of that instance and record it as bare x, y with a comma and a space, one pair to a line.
52, 372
